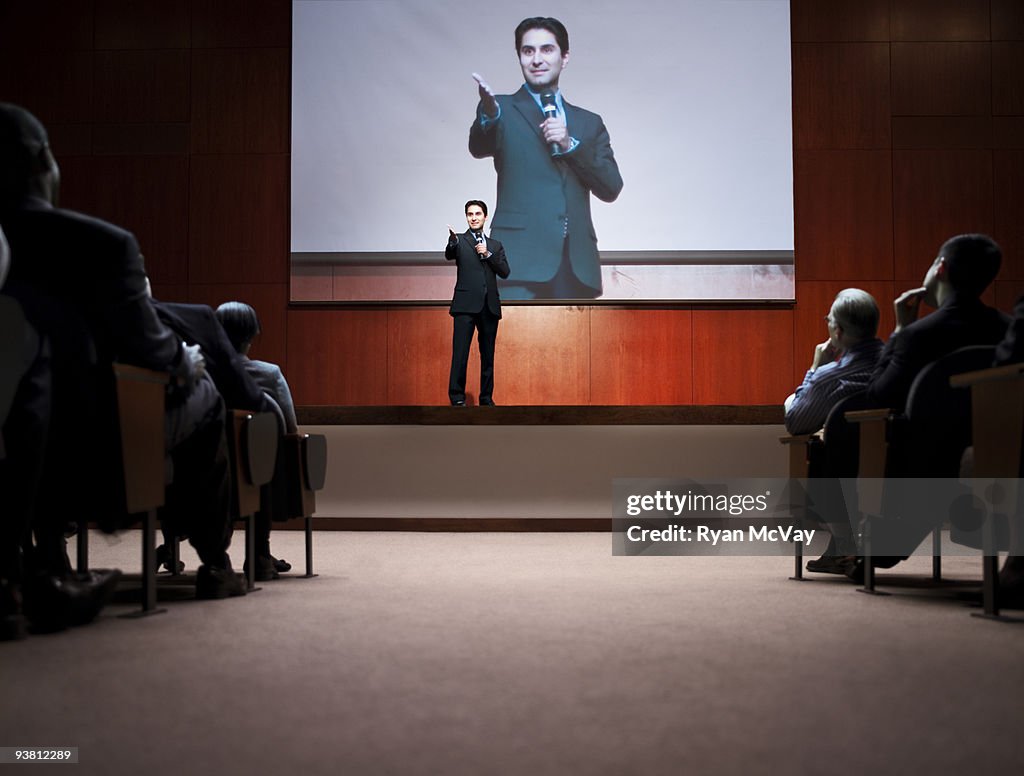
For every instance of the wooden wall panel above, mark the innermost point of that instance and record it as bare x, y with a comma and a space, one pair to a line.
419, 353
142, 24
56, 86
840, 20
242, 24
841, 94
238, 219
940, 19
1008, 193
640, 356
814, 300
269, 300
240, 101
941, 131
543, 356
146, 195
47, 25
742, 356
843, 207
142, 86
930, 79
937, 194
1007, 20
338, 356
1008, 79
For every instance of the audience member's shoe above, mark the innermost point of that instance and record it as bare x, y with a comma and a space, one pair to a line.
163, 560
280, 564
54, 603
265, 570
830, 564
214, 582
12, 621
856, 570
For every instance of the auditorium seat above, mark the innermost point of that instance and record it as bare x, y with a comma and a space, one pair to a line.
997, 416
925, 441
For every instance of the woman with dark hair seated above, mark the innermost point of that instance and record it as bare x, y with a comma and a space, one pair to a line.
242, 325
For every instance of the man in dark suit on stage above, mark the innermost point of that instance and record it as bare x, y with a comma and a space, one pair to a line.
549, 156
475, 303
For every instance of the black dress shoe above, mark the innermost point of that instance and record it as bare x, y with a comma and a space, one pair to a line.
280, 564
486, 402
214, 582
265, 568
830, 564
460, 403
54, 603
12, 621
163, 560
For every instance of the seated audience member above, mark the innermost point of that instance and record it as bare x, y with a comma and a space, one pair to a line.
954, 283
24, 414
82, 285
842, 364
196, 324
964, 268
242, 326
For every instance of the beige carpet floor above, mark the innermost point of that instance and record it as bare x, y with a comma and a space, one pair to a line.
429, 653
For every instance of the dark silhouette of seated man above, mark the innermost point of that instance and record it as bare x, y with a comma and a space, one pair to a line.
964, 268
83, 287
242, 326
196, 324
954, 283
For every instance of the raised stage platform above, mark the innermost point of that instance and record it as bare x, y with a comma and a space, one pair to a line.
524, 467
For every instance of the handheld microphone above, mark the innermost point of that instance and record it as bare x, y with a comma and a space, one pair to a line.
550, 108
480, 241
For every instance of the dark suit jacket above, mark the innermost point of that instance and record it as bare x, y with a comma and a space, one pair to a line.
475, 280
959, 322
197, 324
1011, 349
539, 194
82, 285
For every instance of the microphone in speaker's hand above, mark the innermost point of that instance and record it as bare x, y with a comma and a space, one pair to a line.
550, 108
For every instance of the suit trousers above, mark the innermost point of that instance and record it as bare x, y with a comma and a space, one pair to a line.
486, 325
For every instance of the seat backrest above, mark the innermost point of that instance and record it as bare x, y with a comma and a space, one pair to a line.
842, 440
140, 411
253, 448
939, 415
931, 396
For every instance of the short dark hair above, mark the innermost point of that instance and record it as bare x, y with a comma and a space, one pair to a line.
240, 322
22, 138
553, 26
972, 261
480, 202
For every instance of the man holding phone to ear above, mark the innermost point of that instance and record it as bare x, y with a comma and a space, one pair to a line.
550, 156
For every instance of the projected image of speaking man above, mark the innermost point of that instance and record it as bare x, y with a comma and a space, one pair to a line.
550, 156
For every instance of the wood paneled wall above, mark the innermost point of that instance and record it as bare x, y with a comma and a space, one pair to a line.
171, 117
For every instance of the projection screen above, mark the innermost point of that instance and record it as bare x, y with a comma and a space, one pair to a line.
695, 96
